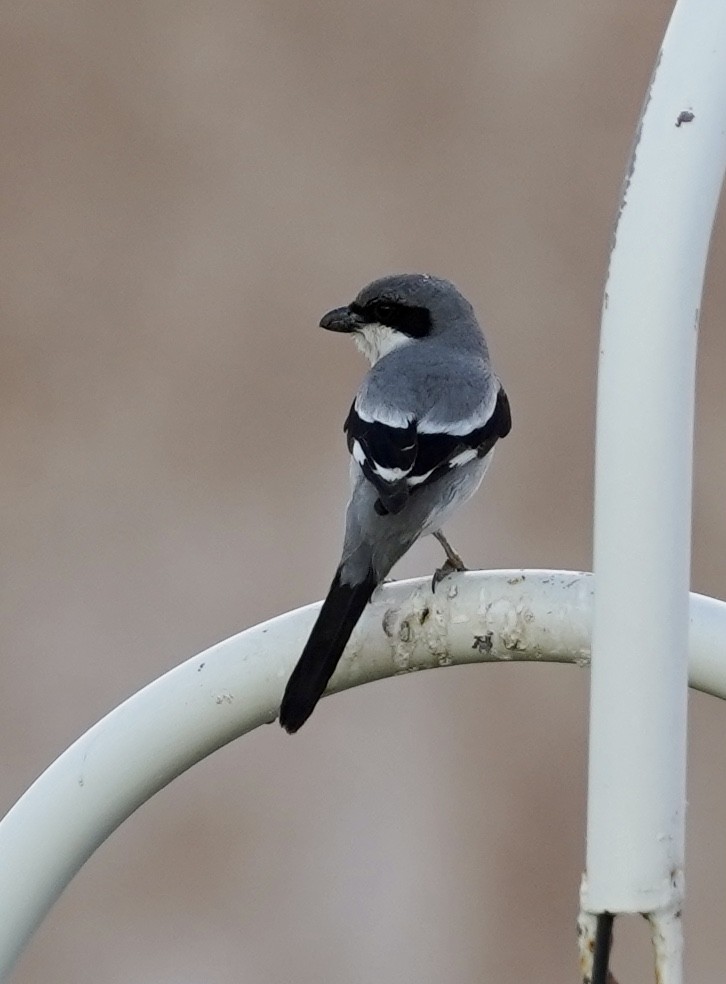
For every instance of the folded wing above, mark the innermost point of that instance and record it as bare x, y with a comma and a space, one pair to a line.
399, 454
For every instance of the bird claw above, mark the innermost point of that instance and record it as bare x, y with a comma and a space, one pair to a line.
448, 567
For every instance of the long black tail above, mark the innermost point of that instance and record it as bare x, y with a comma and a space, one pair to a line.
337, 619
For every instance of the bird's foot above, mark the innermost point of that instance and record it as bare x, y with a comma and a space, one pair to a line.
453, 560
449, 566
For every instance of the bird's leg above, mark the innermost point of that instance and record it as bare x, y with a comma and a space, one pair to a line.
452, 563
452, 557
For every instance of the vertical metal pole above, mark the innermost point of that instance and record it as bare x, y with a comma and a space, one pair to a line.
637, 769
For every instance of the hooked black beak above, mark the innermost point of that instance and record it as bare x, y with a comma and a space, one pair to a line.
341, 319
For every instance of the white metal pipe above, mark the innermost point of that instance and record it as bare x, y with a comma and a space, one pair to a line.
666, 932
236, 685
646, 385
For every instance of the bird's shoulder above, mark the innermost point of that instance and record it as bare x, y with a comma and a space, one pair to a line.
430, 384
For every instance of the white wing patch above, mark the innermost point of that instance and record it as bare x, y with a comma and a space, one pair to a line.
420, 479
463, 457
389, 474
358, 453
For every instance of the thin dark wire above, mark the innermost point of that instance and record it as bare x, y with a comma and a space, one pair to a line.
603, 940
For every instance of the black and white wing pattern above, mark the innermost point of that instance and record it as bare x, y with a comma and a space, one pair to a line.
399, 454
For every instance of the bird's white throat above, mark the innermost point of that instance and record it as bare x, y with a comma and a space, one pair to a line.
375, 341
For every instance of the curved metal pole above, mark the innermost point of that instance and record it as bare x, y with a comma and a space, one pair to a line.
236, 686
646, 385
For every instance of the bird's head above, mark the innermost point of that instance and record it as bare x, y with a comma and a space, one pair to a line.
401, 309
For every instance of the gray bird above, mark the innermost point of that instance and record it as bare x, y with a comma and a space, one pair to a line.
421, 433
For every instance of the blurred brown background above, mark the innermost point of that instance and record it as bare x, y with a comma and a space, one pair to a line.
185, 189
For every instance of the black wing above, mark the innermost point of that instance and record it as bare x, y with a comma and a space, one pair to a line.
386, 455
400, 460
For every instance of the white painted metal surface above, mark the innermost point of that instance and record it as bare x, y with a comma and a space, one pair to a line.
643, 478
236, 685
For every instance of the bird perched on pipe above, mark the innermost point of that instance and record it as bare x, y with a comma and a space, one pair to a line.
421, 432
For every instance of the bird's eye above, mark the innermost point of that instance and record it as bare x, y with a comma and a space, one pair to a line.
382, 311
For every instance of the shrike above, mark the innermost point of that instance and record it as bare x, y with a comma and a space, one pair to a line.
421, 432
